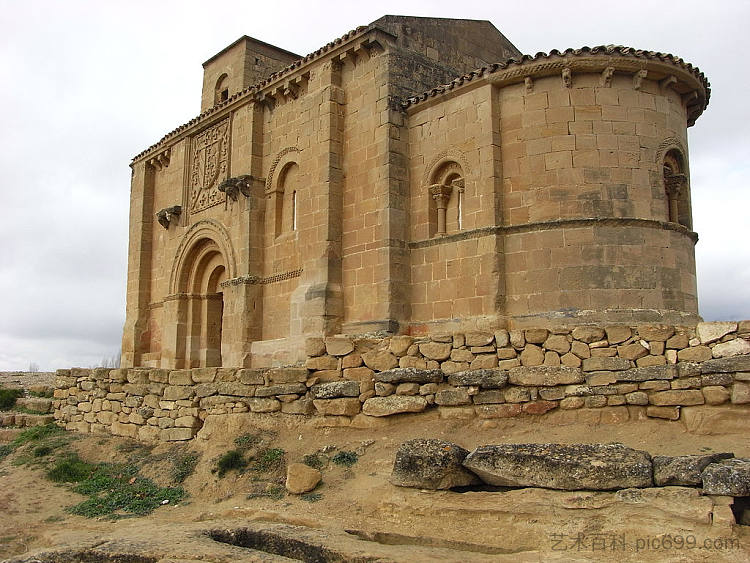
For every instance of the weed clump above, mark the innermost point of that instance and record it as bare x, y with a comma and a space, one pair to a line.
8, 398
183, 467
70, 470
232, 460
36, 434
5, 451
246, 441
311, 497
316, 461
268, 459
345, 458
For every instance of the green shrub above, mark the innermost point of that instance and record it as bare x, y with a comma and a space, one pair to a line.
267, 459
345, 458
246, 441
37, 434
232, 460
8, 398
316, 461
70, 470
41, 451
5, 451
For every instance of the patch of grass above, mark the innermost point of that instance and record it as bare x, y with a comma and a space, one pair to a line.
41, 451
8, 398
268, 459
311, 497
26, 410
246, 441
41, 394
37, 434
345, 458
316, 461
70, 470
275, 492
183, 466
5, 450
232, 460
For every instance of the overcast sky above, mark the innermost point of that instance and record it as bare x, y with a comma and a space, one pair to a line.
87, 85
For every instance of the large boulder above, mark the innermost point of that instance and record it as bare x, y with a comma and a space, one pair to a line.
683, 470
730, 477
599, 467
301, 479
431, 464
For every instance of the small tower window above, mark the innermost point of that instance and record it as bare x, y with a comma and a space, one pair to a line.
677, 189
221, 90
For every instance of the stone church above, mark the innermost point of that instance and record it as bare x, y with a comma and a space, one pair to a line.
417, 175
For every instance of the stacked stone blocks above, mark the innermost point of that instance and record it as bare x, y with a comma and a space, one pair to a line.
651, 371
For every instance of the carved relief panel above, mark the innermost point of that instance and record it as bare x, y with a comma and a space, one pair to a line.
209, 166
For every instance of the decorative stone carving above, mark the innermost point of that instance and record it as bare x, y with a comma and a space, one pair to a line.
166, 215
567, 77
606, 78
638, 78
529, 83
667, 82
160, 160
232, 187
209, 165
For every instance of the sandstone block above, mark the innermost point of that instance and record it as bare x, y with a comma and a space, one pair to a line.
648, 361
517, 395
552, 393
379, 360
545, 376
452, 397
384, 389
678, 341
176, 434
490, 396
302, 406
175, 392
338, 346
669, 413
538, 407
508, 364
695, 354
148, 434
301, 479
187, 422
234, 389
570, 360
647, 373
275, 375
450, 367
484, 361
335, 389
322, 363
314, 347
517, 339
617, 334
713, 331
657, 333
393, 404
201, 390
436, 350
353, 360
588, 334
725, 379
726, 365
740, 393
502, 338
137, 376
581, 350
561, 466
557, 343
412, 362
636, 398
159, 375
601, 378
180, 377
532, 355
479, 338
262, 405
684, 470
606, 364
506, 353
409, 375
632, 351
359, 374
399, 345
595, 402
442, 338
431, 464
498, 411
731, 348
569, 403
338, 407
124, 429
677, 398
407, 389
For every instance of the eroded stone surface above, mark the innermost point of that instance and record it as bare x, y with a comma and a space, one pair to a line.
431, 464
683, 470
730, 477
560, 466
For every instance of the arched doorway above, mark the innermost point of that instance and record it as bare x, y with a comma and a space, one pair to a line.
203, 305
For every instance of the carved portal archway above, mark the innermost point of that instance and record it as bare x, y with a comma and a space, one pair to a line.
200, 307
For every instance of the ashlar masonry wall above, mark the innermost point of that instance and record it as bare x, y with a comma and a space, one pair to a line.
610, 374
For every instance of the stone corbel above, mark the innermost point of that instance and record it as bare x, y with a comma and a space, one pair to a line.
529, 84
689, 99
441, 194
291, 90
666, 83
168, 214
567, 77
239, 185
161, 160
606, 78
638, 79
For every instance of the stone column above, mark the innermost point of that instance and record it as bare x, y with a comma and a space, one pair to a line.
441, 194
139, 262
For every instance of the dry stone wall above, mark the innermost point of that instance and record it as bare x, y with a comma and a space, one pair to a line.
649, 371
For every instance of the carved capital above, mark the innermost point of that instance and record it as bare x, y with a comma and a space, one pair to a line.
168, 214
667, 83
606, 78
674, 184
638, 78
441, 194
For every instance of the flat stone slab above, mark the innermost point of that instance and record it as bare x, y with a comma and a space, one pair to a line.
410, 375
597, 467
484, 378
431, 464
726, 365
683, 470
393, 404
545, 376
335, 389
730, 477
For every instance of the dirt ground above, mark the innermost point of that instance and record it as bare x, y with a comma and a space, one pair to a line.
384, 522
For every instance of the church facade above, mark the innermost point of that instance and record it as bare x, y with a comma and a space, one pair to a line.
417, 175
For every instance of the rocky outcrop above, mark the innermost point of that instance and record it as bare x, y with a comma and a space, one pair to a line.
730, 477
598, 467
431, 464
